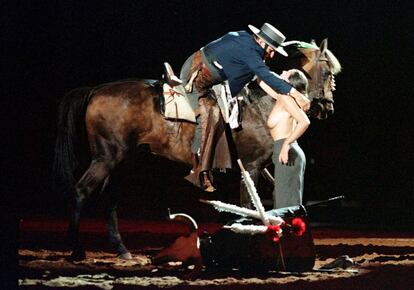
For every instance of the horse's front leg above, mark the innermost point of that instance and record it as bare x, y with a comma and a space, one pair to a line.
113, 231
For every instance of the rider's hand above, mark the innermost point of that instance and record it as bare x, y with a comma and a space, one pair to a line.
300, 99
304, 103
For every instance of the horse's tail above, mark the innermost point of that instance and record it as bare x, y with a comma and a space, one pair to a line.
71, 141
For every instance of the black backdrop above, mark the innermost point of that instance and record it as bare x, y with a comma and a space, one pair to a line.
49, 47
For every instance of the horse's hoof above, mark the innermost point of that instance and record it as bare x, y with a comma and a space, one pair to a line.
125, 256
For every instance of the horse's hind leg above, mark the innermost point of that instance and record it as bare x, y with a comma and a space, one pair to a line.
93, 177
114, 235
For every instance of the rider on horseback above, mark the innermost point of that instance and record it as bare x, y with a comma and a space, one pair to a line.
236, 58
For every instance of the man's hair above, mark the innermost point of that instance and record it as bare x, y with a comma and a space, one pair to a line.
299, 81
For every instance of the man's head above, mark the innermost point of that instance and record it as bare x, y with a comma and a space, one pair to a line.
297, 79
270, 39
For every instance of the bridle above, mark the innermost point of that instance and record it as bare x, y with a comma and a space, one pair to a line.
318, 90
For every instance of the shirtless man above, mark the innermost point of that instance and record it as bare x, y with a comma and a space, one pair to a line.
287, 122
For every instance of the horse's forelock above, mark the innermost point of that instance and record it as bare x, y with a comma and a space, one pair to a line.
251, 94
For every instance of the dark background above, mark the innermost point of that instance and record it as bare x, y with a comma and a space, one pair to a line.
364, 151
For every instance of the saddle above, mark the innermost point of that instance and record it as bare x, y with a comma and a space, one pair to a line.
174, 103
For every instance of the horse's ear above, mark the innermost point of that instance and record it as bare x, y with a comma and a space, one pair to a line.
324, 45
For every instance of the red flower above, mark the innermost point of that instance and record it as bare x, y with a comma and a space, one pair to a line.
298, 227
274, 232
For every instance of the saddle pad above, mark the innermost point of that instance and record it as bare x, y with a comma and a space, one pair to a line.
177, 106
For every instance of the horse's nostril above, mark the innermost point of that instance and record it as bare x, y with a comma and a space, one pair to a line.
330, 112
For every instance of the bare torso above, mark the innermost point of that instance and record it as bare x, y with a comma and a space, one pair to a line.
280, 122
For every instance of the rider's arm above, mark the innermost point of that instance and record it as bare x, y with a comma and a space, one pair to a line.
273, 81
265, 87
302, 101
256, 65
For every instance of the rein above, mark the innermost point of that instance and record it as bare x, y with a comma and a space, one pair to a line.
319, 83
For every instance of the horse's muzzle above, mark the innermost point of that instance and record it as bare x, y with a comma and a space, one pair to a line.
321, 110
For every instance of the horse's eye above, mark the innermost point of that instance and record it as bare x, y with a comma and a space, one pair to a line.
326, 74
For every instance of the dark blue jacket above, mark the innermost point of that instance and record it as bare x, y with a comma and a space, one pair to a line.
242, 58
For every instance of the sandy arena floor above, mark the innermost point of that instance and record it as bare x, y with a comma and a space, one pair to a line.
381, 261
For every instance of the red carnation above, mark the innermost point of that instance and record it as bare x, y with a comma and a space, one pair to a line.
298, 226
274, 232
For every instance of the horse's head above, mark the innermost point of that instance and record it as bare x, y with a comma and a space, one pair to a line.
320, 66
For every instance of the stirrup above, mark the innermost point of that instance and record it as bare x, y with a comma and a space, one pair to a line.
169, 76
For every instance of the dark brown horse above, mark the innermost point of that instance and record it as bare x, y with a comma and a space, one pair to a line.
112, 119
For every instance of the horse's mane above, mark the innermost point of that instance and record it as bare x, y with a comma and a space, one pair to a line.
333, 62
254, 96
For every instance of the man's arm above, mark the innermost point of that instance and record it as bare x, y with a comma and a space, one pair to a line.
259, 68
265, 87
272, 80
300, 99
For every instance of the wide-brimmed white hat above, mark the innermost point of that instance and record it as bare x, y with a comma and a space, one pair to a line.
271, 36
